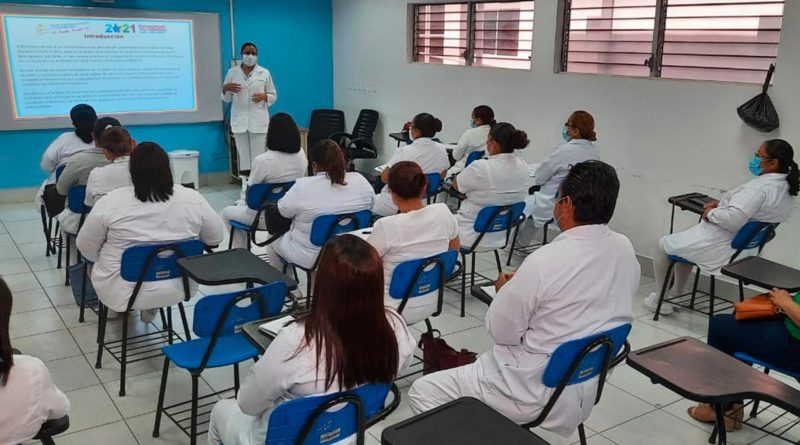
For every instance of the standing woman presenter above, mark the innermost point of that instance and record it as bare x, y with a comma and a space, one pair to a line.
249, 88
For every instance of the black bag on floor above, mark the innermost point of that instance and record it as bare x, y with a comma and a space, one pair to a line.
759, 112
53, 202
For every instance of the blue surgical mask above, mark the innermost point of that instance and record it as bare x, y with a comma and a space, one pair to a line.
557, 217
410, 137
472, 124
755, 166
565, 134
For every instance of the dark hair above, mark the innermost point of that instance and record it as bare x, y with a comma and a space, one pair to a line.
245, 45
427, 125
117, 140
283, 134
101, 125
508, 137
485, 114
329, 158
348, 319
593, 187
783, 152
6, 354
584, 123
83, 118
150, 173
407, 181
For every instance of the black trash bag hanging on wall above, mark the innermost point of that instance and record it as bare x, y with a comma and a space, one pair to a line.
759, 112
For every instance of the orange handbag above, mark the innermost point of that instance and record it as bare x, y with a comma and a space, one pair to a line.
758, 307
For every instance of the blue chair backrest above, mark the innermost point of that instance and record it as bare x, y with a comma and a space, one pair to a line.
592, 363
326, 227
754, 234
267, 301
406, 278
162, 259
75, 197
289, 418
474, 156
60, 170
434, 181
498, 218
260, 194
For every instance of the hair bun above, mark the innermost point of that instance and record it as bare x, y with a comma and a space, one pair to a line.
519, 140
437, 125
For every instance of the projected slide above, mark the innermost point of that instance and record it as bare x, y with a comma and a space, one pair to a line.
118, 65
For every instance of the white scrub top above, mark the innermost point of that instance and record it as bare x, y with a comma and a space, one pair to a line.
431, 157
582, 283
286, 371
27, 400
412, 236
104, 180
474, 139
119, 220
708, 244
315, 196
275, 167
247, 115
64, 146
500, 180
550, 174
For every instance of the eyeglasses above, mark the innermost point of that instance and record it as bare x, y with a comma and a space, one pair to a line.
758, 155
567, 124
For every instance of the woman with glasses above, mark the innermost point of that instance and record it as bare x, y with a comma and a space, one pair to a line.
768, 198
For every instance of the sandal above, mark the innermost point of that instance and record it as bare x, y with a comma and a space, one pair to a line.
705, 413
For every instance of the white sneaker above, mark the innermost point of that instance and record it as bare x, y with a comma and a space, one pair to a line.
651, 302
149, 315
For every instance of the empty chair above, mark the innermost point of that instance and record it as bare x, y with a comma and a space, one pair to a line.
323, 124
359, 143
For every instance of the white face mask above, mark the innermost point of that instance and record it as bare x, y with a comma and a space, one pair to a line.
249, 59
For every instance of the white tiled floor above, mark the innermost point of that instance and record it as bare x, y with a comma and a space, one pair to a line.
44, 323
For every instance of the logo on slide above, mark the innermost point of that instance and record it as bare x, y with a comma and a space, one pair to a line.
61, 28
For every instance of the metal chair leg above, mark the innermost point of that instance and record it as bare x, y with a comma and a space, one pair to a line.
124, 355
472, 271
162, 390
230, 239
84, 277
513, 243
711, 306
170, 331
664, 287
186, 329
66, 268
193, 437
497, 260
741, 291
101, 334
236, 378
582, 434
46, 230
463, 284
694, 288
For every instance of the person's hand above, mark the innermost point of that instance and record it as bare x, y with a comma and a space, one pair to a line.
259, 97
781, 298
706, 212
502, 280
231, 87
711, 205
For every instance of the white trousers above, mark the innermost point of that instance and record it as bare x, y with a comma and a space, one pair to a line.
229, 425
660, 267
248, 146
244, 215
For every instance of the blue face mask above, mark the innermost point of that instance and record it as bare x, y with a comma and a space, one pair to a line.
565, 134
472, 124
755, 166
557, 217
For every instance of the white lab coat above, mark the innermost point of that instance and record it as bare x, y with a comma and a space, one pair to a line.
246, 115
104, 180
500, 180
64, 146
708, 244
412, 236
287, 370
119, 220
77, 169
582, 283
431, 157
550, 174
315, 196
27, 400
474, 139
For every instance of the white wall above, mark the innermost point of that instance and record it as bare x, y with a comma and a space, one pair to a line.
665, 137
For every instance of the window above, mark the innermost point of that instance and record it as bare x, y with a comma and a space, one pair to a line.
493, 34
678, 39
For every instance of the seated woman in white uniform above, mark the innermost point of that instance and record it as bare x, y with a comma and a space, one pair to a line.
117, 147
28, 396
67, 144
152, 211
332, 190
324, 352
283, 161
768, 198
500, 180
414, 233
431, 156
579, 137
582, 283
474, 139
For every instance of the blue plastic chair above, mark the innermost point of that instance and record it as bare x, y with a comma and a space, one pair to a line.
474, 156
581, 360
434, 186
753, 235
490, 219
258, 196
75, 198
215, 320
311, 420
326, 227
749, 359
532, 247
141, 264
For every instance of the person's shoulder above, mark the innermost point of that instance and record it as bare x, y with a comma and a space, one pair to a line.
356, 178
27, 365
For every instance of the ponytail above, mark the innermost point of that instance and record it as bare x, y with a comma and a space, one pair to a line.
508, 137
783, 152
485, 114
329, 158
427, 125
6, 353
793, 178
407, 181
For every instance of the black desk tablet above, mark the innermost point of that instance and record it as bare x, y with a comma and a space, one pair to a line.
259, 338
465, 421
764, 273
481, 294
692, 202
232, 267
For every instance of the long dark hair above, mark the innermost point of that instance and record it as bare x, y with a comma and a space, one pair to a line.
508, 137
150, 173
283, 134
329, 158
83, 118
783, 152
348, 321
6, 356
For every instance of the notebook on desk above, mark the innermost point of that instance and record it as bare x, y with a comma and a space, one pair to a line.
275, 326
